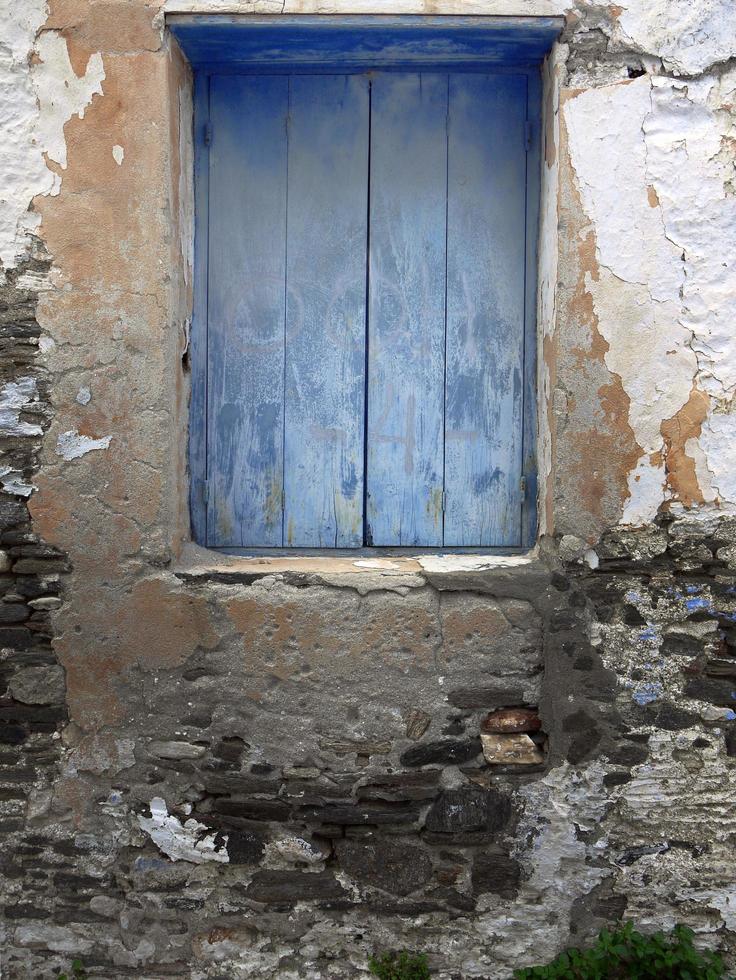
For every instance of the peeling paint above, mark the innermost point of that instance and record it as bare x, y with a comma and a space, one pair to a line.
14, 397
12, 481
118, 154
71, 445
190, 841
41, 92
665, 297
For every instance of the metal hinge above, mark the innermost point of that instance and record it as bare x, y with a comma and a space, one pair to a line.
444, 501
207, 133
283, 500
522, 485
528, 135
206, 491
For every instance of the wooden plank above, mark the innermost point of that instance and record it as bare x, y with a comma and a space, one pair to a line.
247, 218
406, 309
530, 503
325, 311
485, 309
262, 42
198, 338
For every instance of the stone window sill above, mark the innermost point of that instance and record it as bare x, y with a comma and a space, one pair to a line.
483, 571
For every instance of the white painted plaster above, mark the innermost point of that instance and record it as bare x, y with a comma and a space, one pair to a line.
84, 396
191, 841
61, 94
23, 172
552, 74
12, 482
118, 154
647, 156
71, 445
688, 35
14, 397
472, 563
39, 92
186, 185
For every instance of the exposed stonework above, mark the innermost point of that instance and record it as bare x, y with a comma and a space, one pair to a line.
225, 768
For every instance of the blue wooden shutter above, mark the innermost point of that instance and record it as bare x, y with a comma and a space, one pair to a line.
337, 269
287, 258
406, 318
325, 311
486, 240
246, 310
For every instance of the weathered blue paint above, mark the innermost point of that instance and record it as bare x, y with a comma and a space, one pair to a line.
263, 43
246, 301
529, 422
198, 332
485, 309
283, 390
325, 311
406, 309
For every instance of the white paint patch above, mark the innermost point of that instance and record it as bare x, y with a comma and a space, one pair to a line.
186, 185
84, 396
649, 160
61, 94
46, 344
38, 94
14, 397
191, 841
23, 172
472, 563
12, 482
118, 154
688, 35
72, 445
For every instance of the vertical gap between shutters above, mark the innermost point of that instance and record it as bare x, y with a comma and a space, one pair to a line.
208, 151
367, 535
522, 502
444, 366
286, 300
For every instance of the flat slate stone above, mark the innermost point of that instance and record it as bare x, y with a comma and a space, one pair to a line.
470, 808
392, 865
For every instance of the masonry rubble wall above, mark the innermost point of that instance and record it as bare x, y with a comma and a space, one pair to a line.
217, 768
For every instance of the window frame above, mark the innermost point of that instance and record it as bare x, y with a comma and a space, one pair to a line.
197, 448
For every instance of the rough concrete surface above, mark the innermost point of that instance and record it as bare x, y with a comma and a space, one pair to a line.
217, 767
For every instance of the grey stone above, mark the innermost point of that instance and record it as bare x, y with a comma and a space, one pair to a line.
289, 887
394, 865
176, 750
38, 685
471, 808
497, 873
449, 751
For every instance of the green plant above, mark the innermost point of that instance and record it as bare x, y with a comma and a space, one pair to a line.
400, 966
78, 972
626, 954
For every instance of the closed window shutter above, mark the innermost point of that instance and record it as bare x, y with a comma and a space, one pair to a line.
366, 280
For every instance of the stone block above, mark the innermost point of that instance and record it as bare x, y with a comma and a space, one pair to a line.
511, 750
176, 750
38, 685
470, 808
290, 887
496, 873
446, 752
392, 865
511, 720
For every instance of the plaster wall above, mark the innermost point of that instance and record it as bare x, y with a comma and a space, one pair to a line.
273, 768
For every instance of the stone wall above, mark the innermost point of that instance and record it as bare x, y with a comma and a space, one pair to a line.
273, 768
